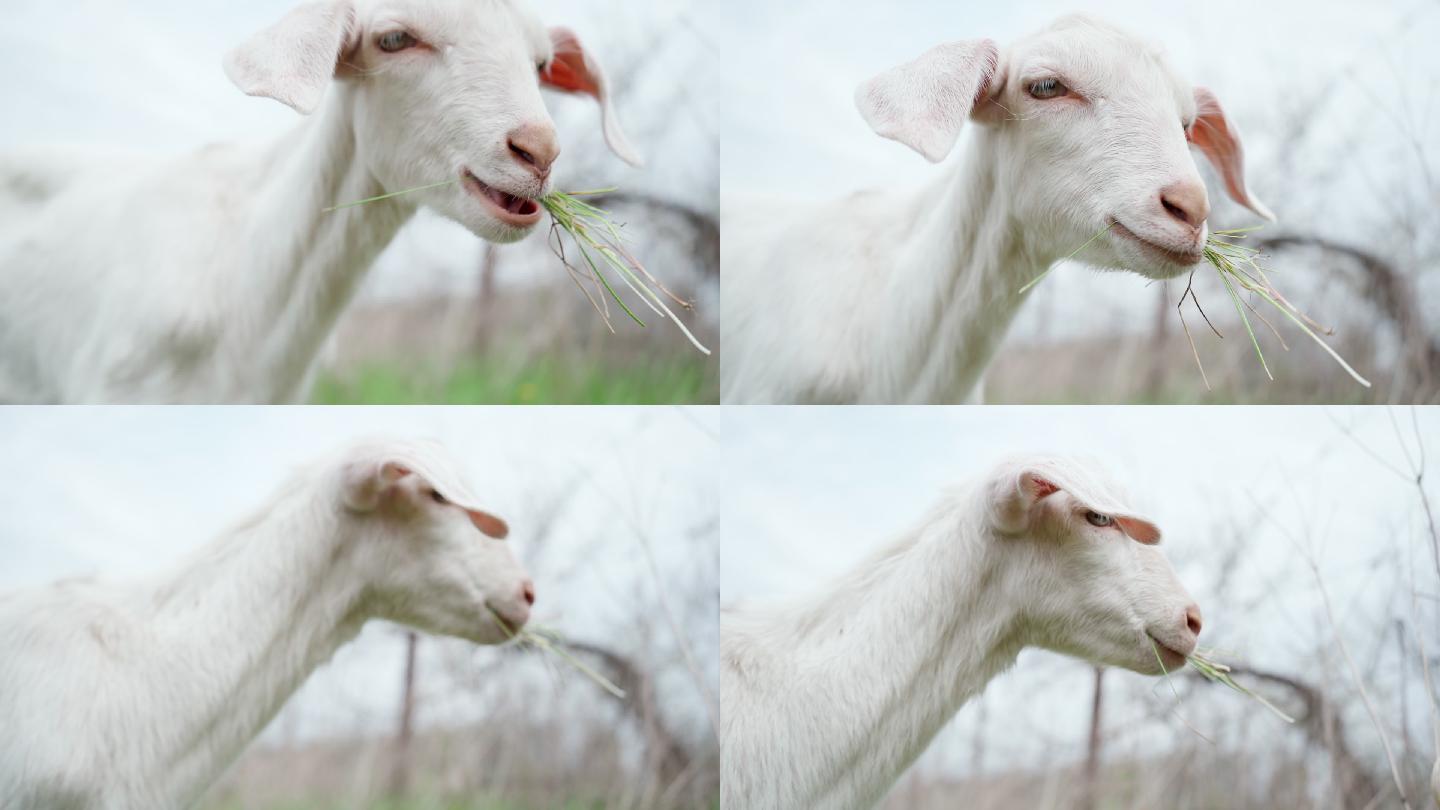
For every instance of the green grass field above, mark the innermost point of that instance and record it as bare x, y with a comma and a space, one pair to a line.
566, 381
414, 804
424, 804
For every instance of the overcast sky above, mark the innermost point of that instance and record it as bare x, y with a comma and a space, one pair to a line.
125, 492
791, 129
810, 492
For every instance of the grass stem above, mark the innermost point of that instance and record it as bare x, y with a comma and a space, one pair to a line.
548, 642
594, 233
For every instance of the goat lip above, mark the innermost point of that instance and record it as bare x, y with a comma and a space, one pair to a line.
1180, 257
1172, 658
511, 624
511, 209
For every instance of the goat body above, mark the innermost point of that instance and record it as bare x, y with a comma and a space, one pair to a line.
900, 296
213, 278
825, 703
828, 701
135, 697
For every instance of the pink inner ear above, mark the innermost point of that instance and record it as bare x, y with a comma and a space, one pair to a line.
1141, 531
1042, 487
489, 525
1214, 135
569, 71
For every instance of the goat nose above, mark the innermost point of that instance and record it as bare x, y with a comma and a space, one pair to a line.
1186, 201
1192, 619
534, 147
527, 592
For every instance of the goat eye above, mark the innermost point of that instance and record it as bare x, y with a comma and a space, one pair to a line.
1047, 88
393, 41
1097, 519
437, 497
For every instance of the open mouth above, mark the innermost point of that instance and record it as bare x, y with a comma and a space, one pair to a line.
509, 208
1171, 255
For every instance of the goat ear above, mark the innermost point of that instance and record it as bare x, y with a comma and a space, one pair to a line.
1013, 496
1218, 138
294, 60
364, 482
924, 103
575, 71
1139, 529
488, 524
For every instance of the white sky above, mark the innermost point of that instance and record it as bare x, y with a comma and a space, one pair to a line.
145, 74
790, 125
810, 492
121, 492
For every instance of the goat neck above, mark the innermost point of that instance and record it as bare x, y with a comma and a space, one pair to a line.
308, 262
247, 620
963, 271
875, 667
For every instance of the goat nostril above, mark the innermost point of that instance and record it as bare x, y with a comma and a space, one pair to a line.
1186, 202
522, 154
534, 147
528, 591
1192, 619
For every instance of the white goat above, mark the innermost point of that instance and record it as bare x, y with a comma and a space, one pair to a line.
217, 277
136, 697
826, 703
897, 296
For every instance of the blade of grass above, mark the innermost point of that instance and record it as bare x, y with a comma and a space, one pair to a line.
592, 230
1042, 276
387, 196
1239, 270
1235, 297
601, 278
1219, 673
541, 641
1316, 338
1176, 708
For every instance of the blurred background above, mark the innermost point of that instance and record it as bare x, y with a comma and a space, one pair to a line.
490, 323
1306, 535
611, 510
1337, 103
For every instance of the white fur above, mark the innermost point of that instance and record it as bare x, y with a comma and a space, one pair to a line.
903, 296
216, 277
1435, 783
828, 701
136, 696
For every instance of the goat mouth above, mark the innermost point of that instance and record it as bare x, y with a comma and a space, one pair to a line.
1181, 257
510, 625
507, 625
511, 209
1171, 658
